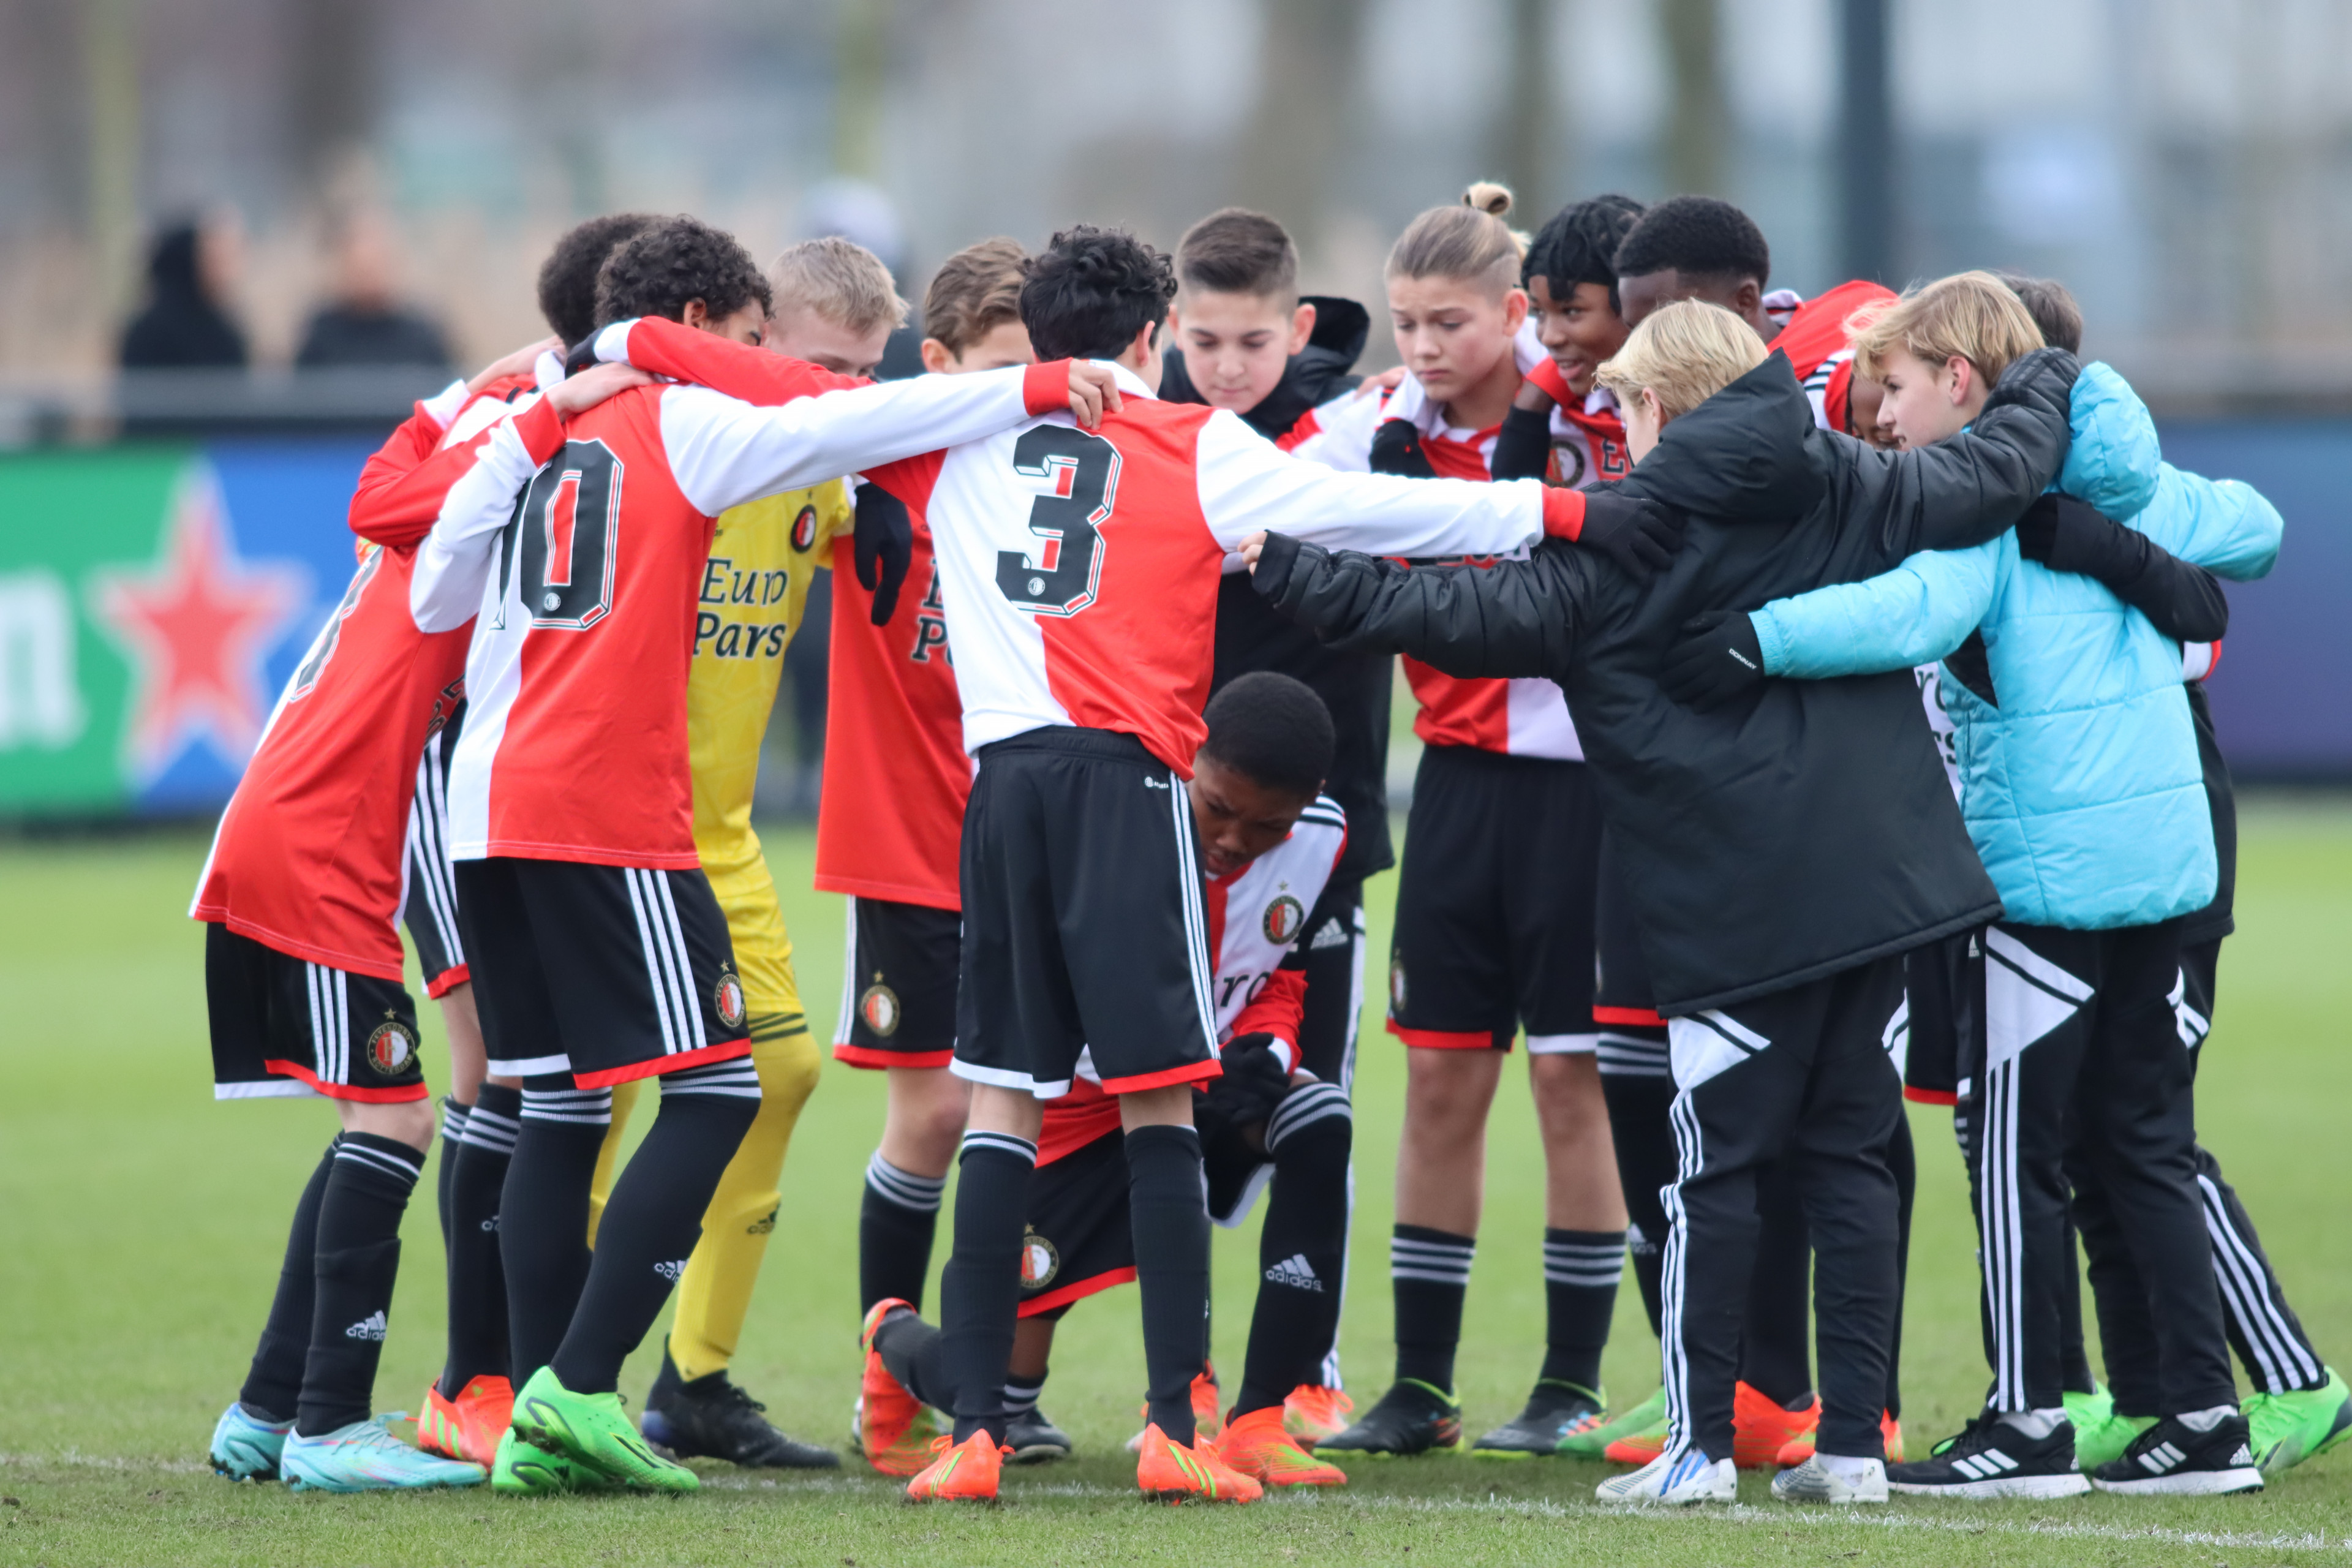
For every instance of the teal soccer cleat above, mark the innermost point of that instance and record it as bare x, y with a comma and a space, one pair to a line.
244, 1449
364, 1457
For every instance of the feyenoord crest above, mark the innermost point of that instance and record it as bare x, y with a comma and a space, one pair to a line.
728, 997
1039, 1261
805, 529
1567, 463
1284, 917
1396, 985
879, 1008
392, 1046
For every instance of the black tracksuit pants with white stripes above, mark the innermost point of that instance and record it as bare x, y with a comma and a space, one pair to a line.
1800, 1075
2277, 1354
2076, 1074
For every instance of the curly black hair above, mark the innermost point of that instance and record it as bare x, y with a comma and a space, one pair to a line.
567, 278
1273, 728
1698, 237
1579, 244
1089, 292
674, 263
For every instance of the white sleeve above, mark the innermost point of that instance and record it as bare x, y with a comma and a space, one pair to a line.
453, 561
723, 452
1246, 485
1343, 432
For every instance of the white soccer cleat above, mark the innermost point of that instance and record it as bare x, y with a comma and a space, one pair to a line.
1814, 1481
1674, 1481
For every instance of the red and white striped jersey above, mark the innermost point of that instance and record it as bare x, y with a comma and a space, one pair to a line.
1257, 916
583, 548
1081, 568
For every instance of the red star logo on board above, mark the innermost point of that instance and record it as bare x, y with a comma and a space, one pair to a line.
198, 626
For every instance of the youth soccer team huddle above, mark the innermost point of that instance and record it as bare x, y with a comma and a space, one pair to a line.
1810, 699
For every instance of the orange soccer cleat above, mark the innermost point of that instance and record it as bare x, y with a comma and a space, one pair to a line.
1208, 1420
1258, 1446
895, 1428
968, 1472
1799, 1448
468, 1427
1760, 1426
1313, 1413
1170, 1472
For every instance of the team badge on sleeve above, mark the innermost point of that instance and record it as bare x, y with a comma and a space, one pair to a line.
728, 998
879, 1008
392, 1046
804, 529
1039, 1261
1284, 919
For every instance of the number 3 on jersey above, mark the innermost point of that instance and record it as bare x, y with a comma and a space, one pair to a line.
1081, 474
561, 538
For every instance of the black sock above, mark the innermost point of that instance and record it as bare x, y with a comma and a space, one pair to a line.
979, 1290
474, 1176
654, 1217
1582, 1269
1022, 1394
909, 1349
543, 1215
358, 1261
273, 1384
1429, 1273
896, 1221
453, 1129
1168, 1213
1648, 1256
1302, 1248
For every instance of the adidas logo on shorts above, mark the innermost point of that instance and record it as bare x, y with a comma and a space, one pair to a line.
1296, 1272
371, 1327
671, 1272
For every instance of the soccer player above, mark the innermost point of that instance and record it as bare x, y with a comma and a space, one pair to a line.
601, 949
1268, 843
836, 307
1776, 1025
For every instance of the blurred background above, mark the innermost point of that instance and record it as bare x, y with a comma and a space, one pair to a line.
288, 218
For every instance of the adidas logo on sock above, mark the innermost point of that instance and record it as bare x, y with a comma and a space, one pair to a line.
371, 1327
671, 1272
1296, 1272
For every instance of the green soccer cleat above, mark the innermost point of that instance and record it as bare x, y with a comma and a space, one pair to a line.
244, 1448
525, 1469
364, 1457
594, 1432
1592, 1444
1556, 1412
2100, 1435
2289, 1428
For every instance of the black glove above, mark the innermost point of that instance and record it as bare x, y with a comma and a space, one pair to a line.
1638, 535
1396, 449
581, 356
1255, 1080
2070, 536
1714, 659
1523, 449
885, 547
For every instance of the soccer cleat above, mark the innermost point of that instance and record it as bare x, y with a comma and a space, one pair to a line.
364, 1457
525, 1469
2086, 1411
1031, 1439
1313, 1413
1650, 1416
1259, 1447
244, 1449
1412, 1417
1556, 1412
1991, 1458
2288, 1429
2171, 1459
593, 1431
1208, 1419
892, 1428
1799, 1448
711, 1418
1170, 1472
469, 1427
968, 1472
2100, 1435
1675, 1481
1760, 1425
1812, 1482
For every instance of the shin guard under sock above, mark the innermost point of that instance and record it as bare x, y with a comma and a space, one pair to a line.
896, 1221
273, 1384
1167, 1212
1582, 1271
654, 1217
979, 1290
477, 1176
1302, 1249
358, 1261
543, 1215
1429, 1273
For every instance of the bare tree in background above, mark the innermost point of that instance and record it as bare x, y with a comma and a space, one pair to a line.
110, 50
1527, 135
1306, 90
335, 85
1698, 119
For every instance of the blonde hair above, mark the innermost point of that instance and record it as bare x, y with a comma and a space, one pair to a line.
975, 291
1685, 352
1972, 315
843, 282
1468, 240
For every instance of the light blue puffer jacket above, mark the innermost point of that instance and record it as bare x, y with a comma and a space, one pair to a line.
2082, 788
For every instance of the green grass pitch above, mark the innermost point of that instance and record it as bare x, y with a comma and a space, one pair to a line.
141, 1225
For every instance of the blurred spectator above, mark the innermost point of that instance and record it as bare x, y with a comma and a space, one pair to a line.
364, 323
190, 273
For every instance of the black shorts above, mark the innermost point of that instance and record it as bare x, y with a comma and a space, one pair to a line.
1939, 985
1633, 1035
428, 898
1083, 921
1495, 904
284, 1026
607, 972
899, 986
